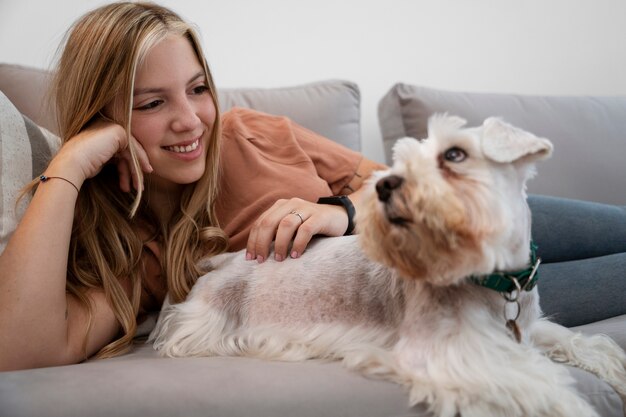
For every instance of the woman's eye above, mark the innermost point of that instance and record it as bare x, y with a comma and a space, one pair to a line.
149, 105
455, 155
201, 89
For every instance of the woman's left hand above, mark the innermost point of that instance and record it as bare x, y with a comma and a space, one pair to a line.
293, 219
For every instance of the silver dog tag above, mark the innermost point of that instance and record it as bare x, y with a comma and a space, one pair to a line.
514, 328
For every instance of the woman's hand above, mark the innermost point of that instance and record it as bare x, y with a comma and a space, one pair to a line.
295, 219
84, 155
125, 168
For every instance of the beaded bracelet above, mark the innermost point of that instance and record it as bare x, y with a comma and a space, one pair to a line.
44, 178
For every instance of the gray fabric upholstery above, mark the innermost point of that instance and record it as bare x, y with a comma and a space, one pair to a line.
614, 327
589, 133
332, 107
26, 88
25, 150
142, 384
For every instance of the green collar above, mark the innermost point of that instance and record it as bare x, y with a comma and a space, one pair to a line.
507, 282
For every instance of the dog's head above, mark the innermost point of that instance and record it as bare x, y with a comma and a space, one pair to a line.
453, 204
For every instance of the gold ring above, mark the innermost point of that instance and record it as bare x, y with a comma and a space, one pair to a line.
298, 214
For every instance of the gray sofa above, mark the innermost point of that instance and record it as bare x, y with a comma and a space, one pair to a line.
141, 383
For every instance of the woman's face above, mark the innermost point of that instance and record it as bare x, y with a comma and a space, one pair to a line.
173, 113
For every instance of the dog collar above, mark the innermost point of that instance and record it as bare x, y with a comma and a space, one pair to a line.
507, 282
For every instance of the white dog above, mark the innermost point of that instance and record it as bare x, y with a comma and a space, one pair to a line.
411, 303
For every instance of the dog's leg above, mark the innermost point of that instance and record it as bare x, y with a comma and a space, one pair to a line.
374, 361
479, 371
598, 354
193, 328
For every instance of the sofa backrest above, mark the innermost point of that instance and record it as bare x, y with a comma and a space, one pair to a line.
588, 133
27, 87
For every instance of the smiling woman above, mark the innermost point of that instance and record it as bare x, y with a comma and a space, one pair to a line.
105, 269
156, 176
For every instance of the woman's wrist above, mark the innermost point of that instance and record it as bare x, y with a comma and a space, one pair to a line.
65, 171
344, 201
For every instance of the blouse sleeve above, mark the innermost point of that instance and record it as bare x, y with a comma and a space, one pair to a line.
264, 158
343, 169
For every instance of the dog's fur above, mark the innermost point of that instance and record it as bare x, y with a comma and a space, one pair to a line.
399, 305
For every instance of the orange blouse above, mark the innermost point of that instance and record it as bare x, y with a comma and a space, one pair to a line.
265, 158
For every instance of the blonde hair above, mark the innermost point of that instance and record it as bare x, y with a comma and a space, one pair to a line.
101, 55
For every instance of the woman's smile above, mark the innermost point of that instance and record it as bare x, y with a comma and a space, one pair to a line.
183, 148
186, 151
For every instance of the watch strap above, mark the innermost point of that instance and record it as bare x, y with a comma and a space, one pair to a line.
342, 200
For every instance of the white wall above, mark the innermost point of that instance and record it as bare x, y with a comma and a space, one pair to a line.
521, 46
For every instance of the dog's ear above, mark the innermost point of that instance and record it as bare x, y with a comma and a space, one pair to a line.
502, 142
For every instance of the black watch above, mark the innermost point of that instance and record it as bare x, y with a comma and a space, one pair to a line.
342, 200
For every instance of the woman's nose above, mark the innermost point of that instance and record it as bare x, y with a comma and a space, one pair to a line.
185, 116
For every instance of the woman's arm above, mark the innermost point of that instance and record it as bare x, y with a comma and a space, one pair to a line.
41, 325
279, 224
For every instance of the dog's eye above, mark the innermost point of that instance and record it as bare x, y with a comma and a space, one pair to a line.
455, 155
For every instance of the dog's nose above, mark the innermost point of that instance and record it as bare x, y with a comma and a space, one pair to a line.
386, 185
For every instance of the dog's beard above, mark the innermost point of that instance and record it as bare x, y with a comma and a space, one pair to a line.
428, 231
396, 211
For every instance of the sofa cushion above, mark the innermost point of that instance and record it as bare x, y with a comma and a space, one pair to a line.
589, 133
25, 150
331, 108
143, 384
614, 327
27, 87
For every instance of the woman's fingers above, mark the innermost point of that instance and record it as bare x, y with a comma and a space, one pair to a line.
142, 156
126, 170
123, 171
264, 230
291, 224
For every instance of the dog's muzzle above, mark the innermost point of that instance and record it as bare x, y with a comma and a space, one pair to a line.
385, 187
